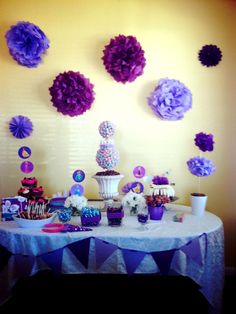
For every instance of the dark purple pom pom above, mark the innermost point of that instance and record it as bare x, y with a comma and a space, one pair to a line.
210, 55
204, 142
72, 93
124, 58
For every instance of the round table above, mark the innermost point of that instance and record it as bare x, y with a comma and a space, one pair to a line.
193, 248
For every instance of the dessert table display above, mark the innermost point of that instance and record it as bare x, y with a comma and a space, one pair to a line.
193, 248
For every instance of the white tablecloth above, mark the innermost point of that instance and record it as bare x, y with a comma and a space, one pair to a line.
156, 236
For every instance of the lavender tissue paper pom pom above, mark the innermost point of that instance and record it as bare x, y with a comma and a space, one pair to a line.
72, 93
201, 166
20, 127
170, 99
210, 55
124, 58
204, 142
26, 43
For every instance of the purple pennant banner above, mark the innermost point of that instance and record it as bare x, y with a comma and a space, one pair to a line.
193, 250
163, 260
132, 259
103, 251
81, 250
54, 260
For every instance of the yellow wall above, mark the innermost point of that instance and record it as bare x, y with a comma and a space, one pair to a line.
171, 33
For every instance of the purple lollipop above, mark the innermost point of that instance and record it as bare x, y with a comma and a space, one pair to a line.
77, 189
27, 166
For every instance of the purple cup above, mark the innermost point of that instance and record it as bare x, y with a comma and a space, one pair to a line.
156, 213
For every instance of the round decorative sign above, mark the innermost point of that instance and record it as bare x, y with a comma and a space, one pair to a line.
27, 166
77, 189
78, 175
24, 152
137, 187
139, 172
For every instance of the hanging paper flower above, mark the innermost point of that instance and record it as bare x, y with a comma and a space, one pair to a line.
20, 126
170, 99
204, 142
26, 43
72, 93
201, 166
124, 58
210, 55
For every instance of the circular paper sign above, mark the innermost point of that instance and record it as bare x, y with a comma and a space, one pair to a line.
24, 152
137, 187
139, 172
27, 166
78, 175
77, 189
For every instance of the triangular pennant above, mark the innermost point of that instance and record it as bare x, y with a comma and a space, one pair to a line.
132, 259
163, 260
54, 259
23, 264
103, 251
4, 257
193, 250
81, 250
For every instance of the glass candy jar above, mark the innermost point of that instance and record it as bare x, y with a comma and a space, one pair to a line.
115, 213
90, 216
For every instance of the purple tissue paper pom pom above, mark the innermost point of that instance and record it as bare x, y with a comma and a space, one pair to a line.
204, 142
201, 166
210, 55
170, 99
160, 180
20, 127
72, 93
26, 43
124, 58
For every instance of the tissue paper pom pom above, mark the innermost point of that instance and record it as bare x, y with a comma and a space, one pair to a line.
26, 43
106, 129
210, 55
170, 99
107, 157
72, 93
20, 126
204, 142
124, 58
201, 166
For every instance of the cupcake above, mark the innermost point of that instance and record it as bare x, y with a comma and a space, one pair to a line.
29, 182
24, 191
37, 191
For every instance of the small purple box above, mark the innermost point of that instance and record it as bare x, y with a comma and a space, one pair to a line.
12, 206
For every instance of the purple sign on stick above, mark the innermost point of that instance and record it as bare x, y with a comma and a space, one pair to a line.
78, 175
137, 187
139, 172
24, 152
27, 166
77, 189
